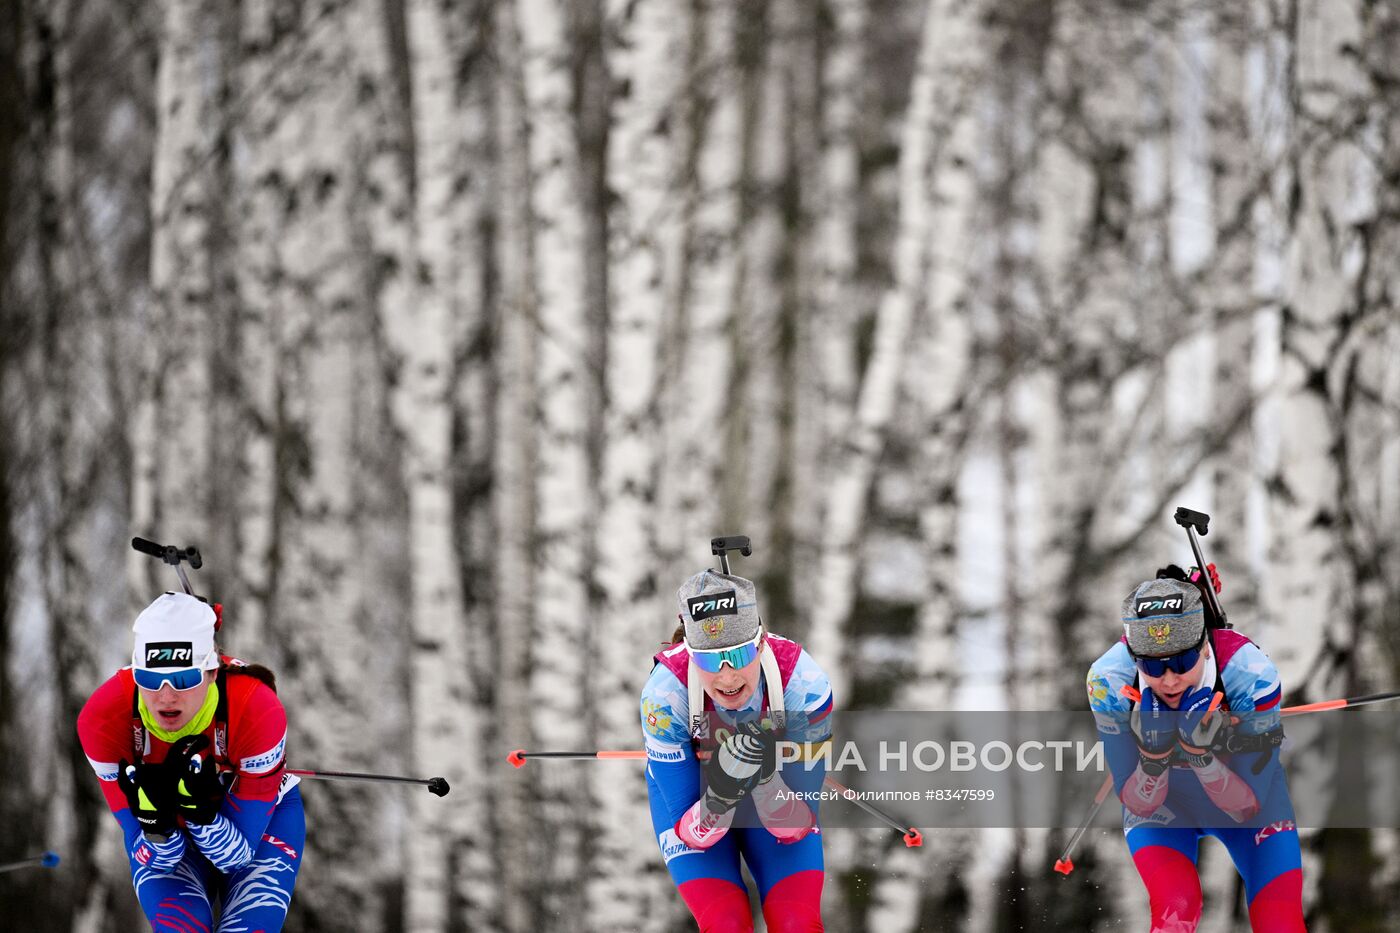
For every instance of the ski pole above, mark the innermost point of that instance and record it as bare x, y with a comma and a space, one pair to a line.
436, 785
47, 860
1064, 864
912, 837
1326, 705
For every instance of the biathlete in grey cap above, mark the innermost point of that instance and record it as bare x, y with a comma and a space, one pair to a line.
1189, 716
730, 688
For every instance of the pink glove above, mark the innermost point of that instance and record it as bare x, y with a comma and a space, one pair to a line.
786, 817
1227, 790
700, 827
1143, 793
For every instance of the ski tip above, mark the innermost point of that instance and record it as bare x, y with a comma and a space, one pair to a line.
49, 860
913, 839
1064, 866
517, 758
438, 786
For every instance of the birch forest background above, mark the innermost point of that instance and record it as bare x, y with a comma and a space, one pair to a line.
451, 330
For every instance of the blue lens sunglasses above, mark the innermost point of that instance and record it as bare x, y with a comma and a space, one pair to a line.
186, 679
1177, 663
712, 661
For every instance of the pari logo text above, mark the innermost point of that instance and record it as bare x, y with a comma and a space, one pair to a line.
1158, 605
712, 604
169, 654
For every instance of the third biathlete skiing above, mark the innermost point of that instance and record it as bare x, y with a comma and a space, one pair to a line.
189, 747
1189, 716
730, 688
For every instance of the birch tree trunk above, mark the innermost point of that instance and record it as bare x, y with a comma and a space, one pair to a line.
826, 387
695, 354
945, 72
1235, 187
1084, 199
762, 47
906, 895
1307, 591
515, 463
64, 514
423, 315
565, 493
323, 232
633, 891
173, 439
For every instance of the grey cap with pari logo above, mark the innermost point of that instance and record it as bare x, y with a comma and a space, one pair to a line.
1163, 617
719, 610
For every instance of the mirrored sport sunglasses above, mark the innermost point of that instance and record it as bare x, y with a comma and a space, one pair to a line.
187, 679
1176, 663
713, 660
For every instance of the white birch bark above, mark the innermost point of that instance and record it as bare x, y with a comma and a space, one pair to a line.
826, 362
63, 521
937, 385
324, 517
1234, 151
171, 441
515, 465
945, 71
752, 463
260, 204
632, 891
420, 316
833, 355
565, 494
1305, 595
696, 354
1074, 276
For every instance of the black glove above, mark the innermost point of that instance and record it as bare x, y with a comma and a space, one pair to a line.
737, 766
150, 794
194, 778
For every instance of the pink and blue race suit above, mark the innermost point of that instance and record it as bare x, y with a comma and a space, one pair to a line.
246, 861
1164, 842
790, 874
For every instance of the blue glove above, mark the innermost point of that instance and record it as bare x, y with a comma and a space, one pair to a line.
1154, 726
1197, 733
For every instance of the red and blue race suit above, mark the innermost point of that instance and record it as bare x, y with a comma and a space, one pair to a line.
789, 875
246, 860
1164, 843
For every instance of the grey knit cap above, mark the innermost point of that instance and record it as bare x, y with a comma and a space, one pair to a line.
719, 610
1163, 617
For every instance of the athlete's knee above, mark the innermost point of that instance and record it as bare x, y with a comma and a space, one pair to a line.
1173, 888
182, 913
718, 906
1278, 906
793, 905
